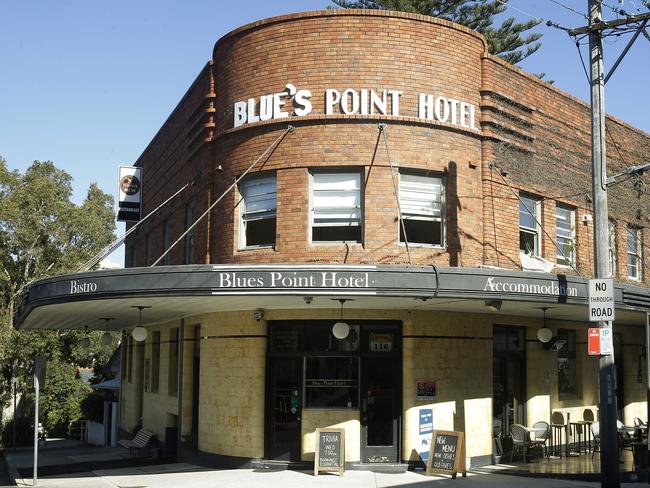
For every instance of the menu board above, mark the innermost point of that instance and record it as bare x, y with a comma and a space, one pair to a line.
330, 451
447, 453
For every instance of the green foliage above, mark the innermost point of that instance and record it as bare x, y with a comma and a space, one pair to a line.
61, 398
92, 407
44, 233
507, 41
24, 431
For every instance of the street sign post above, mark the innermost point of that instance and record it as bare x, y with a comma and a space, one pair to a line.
601, 300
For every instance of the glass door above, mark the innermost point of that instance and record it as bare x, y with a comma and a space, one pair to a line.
508, 379
381, 386
284, 403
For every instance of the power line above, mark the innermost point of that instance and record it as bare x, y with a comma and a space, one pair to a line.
569, 8
549, 23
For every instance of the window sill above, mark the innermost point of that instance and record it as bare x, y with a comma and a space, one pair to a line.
336, 243
255, 248
421, 244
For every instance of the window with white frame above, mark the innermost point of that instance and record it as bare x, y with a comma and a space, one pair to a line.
529, 231
336, 206
611, 252
257, 215
421, 199
565, 225
634, 258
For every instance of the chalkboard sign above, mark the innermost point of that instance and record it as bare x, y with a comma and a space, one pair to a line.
447, 453
330, 451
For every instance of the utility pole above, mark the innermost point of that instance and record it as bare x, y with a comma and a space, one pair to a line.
610, 477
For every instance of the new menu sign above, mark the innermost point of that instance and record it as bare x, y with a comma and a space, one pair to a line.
447, 453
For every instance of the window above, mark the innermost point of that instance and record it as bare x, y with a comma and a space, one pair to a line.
172, 378
167, 240
566, 364
331, 382
565, 224
421, 199
155, 361
189, 238
149, 251
611, 252
529, 231
258, 206
336, 207
634, 259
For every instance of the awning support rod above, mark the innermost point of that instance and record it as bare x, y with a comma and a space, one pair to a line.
117, 242
275, 143
383, 129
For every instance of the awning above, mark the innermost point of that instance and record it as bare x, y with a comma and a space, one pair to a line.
113, 384
82, 300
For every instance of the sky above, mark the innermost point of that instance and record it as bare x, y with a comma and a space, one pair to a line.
87, 84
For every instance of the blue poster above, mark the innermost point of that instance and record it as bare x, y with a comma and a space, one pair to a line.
425, 430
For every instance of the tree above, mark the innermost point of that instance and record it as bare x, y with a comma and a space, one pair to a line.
43, 233
507, 41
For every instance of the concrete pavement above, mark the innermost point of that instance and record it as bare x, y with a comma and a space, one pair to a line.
189, 476
70, 464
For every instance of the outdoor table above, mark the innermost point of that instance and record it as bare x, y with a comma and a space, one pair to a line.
575, 429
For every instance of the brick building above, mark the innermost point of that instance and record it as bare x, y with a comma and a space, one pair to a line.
388, 174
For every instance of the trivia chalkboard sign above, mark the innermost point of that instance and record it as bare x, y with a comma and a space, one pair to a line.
330, 451
447, 453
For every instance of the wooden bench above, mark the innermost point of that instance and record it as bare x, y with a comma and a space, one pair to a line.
139, 442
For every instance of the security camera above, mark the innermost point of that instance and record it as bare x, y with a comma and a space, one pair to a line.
308, 300
258, 315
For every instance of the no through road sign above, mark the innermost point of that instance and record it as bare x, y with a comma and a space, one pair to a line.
601, 300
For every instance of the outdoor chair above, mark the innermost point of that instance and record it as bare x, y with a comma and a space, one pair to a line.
141, 440
595, 432
625, 439
521, 440
541, 434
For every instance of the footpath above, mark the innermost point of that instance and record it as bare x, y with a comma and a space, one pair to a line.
70, 464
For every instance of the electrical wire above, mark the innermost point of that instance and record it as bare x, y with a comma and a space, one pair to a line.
549, 23
570, 9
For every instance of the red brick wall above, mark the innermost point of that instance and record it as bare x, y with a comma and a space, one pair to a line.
379, 50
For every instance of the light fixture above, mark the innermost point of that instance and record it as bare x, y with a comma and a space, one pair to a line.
341, 329
106, 338
494, 304
308, 300
139, 333
258, 314
544, 335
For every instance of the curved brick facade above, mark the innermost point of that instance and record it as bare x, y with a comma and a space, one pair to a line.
374, 50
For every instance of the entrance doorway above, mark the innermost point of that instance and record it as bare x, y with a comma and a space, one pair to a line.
284, 409
508, 379
309, 371
380, 394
